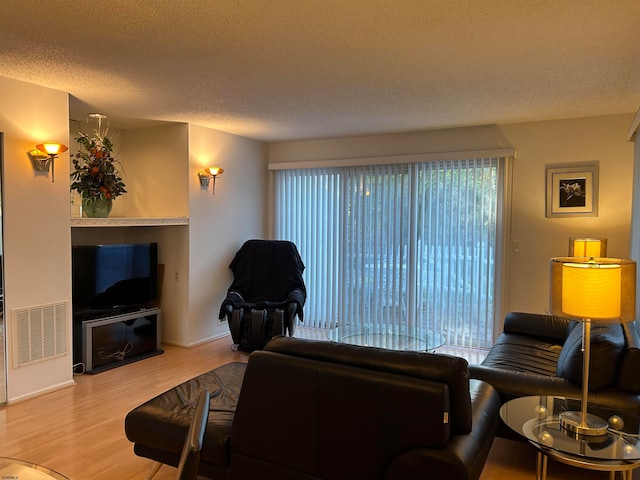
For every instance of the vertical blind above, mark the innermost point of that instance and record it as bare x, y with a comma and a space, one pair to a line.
411, 245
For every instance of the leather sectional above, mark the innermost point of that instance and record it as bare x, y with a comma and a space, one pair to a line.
540, 354
309, 410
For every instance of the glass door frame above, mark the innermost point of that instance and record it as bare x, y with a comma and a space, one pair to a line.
3, 328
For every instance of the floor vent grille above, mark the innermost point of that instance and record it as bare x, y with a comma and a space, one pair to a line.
39, 333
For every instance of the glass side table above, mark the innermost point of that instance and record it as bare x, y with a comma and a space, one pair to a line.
392, 337
11, 468
536, 419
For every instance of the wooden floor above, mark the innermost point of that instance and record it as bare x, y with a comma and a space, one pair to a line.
79, 431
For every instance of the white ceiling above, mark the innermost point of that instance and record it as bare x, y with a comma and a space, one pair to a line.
278, 70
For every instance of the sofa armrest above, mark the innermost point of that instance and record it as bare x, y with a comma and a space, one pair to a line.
537, 325
464, 456
628, 378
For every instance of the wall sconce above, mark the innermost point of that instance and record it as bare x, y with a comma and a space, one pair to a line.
587, 247
207, 174
43, 156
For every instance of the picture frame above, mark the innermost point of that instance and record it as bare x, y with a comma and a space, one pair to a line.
572, 190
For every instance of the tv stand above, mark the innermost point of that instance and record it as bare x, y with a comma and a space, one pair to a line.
114, 341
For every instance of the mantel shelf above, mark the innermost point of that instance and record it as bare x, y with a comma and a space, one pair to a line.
127, 222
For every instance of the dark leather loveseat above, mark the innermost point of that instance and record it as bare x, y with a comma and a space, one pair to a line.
540, 354
320, 410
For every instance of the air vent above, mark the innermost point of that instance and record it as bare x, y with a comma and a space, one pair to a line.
39, 333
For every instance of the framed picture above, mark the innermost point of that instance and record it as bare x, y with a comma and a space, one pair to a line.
572, 191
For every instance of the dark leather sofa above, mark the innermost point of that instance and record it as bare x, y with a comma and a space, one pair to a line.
540, 354
320, 410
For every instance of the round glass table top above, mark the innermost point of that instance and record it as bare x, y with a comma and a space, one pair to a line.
536, 418
21, 470
392, 337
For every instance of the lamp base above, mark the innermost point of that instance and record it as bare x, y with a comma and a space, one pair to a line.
593, 425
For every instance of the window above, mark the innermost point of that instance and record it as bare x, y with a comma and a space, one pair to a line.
409, 244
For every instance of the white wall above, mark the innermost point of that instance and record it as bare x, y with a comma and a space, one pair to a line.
602, 138
155, 171
428, 141
219, 224
37, 254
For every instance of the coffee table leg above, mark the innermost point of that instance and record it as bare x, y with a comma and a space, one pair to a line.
625, 474
541, 466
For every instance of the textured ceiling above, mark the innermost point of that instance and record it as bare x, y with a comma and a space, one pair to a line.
278, 70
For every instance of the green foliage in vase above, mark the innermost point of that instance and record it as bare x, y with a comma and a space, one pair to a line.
95, 174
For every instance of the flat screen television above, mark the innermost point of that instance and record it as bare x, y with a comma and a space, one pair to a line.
113, 279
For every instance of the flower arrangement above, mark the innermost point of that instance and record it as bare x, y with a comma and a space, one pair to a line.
95, 176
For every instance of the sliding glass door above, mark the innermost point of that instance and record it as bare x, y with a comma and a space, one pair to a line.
3, 345
412, 245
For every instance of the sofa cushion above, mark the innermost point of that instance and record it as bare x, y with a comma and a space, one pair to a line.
161, 424
628, 378
522, 353
607, 345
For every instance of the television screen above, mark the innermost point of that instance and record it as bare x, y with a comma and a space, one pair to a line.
114, 279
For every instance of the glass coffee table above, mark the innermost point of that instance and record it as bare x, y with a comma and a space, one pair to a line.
392, 337
536, 419
11, 468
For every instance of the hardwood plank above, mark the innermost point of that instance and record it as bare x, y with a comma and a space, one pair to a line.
79, 431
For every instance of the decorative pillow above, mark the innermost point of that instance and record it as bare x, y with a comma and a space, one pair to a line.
607, 347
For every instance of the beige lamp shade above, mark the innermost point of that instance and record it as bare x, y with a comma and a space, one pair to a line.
599, 289
587, 247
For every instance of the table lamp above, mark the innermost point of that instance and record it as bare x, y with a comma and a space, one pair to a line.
587, 247
591, 289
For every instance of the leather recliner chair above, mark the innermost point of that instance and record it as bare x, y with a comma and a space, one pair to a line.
267, 293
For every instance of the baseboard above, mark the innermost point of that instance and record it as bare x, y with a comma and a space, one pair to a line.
199, 342
41, 392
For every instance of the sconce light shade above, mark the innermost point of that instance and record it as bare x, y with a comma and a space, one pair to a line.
43, 157
52, 148
207, 174
587, 247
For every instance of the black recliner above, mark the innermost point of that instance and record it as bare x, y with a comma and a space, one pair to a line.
267, 293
